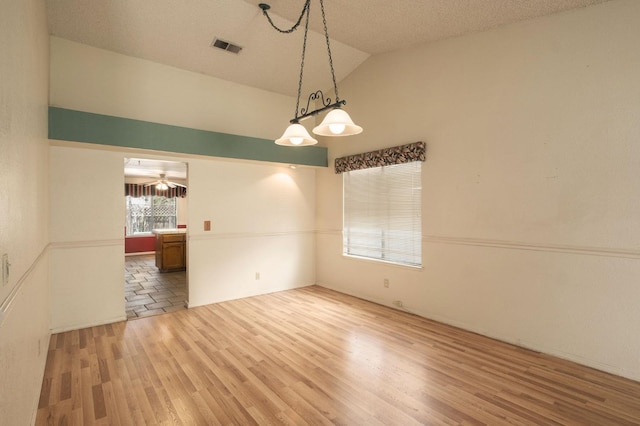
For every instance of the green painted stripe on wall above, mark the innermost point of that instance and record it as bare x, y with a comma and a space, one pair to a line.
80, 126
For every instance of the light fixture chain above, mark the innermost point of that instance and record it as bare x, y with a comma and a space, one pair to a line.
265, 7
326, 35
304, 49
337, 122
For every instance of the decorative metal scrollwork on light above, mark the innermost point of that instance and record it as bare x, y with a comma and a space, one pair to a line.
316, 96
337, 122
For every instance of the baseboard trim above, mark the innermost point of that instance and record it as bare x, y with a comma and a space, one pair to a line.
89, 324
139, 253
532, 346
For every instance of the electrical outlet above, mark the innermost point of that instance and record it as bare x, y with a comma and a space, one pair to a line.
257, 275
398, 303
386, 282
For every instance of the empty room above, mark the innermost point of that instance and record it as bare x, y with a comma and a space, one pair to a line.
320, 212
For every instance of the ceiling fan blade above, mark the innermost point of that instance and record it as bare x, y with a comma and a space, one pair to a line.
162, 180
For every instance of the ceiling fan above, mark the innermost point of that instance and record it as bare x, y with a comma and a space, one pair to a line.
163, 183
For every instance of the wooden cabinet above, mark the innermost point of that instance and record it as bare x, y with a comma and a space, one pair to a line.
171, 252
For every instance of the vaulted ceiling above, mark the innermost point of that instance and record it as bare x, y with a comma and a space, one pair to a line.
179, 32
153, 169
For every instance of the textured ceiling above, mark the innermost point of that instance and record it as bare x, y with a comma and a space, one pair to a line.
179, 32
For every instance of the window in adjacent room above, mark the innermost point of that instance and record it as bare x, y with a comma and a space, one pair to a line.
382, 213
150, 212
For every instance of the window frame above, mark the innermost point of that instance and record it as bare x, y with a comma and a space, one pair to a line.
407, 251
152, 205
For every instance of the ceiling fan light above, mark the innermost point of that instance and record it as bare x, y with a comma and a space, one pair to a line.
296, 135
337, 123
162, 186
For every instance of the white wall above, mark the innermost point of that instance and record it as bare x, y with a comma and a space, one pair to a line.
87, 237
530, 188
24, 300
262, 214
94, 80
262, 219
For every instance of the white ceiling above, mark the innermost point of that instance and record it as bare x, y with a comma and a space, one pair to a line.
139, 167
179, 32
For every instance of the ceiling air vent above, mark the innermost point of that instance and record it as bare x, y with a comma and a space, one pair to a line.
225, 45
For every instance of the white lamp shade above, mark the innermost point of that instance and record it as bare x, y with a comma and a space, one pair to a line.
296, 135
337, 123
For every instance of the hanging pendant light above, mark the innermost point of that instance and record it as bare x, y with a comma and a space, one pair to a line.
337, 122
296, 135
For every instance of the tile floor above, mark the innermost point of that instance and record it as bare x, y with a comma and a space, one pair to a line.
150, 292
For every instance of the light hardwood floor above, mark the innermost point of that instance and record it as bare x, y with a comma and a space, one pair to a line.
314, 356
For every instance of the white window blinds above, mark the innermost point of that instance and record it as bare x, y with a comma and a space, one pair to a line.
382, 213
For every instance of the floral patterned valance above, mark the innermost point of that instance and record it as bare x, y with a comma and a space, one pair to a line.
384, 157
136, 190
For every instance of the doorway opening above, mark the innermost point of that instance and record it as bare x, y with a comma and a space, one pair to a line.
155, 272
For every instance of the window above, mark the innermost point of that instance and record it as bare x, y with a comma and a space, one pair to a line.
382, 213
150, 212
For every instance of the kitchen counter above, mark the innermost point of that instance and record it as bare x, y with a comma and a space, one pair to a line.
171, 249
169, 231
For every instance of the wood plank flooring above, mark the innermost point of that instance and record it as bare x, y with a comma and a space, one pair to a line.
314, 356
